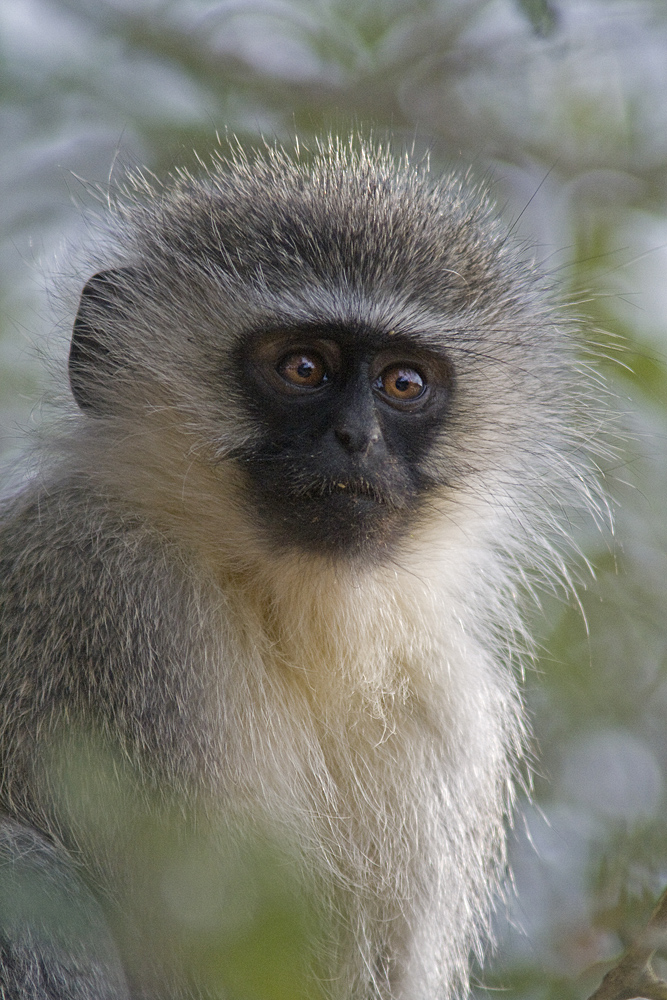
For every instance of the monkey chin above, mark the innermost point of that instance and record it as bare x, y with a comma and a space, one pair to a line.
348, 520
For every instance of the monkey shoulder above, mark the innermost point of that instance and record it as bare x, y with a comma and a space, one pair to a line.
83, 579
103, 625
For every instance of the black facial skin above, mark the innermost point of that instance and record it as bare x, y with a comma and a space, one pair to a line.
347, 415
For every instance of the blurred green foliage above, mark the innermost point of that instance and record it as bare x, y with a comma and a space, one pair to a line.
562, 106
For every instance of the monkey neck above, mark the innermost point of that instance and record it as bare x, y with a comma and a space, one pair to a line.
341, 635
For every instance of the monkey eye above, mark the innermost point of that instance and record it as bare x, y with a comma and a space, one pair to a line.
303, 370
400, 383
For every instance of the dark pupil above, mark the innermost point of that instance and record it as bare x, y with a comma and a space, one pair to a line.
403, 383
305, 369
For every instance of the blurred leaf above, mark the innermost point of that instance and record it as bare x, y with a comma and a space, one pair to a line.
542, 14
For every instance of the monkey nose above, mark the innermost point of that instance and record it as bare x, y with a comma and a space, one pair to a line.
358, 437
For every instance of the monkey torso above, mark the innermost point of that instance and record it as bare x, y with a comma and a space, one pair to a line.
298, 717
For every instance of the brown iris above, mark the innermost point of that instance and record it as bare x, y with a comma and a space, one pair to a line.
306, 371
401, 383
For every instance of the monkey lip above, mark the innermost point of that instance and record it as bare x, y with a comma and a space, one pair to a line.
346, 489
355, 502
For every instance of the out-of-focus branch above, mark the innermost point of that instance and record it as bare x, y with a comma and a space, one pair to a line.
633, 976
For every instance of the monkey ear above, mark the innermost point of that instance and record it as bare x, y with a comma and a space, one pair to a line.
91, 361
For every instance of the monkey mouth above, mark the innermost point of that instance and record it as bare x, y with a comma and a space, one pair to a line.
343, 516
346, 489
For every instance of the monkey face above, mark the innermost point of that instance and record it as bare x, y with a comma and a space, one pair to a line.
365, 347
347, 416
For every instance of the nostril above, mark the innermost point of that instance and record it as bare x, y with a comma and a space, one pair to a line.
350, 440
345, 437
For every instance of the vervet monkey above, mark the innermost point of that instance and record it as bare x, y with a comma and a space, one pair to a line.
326, 427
